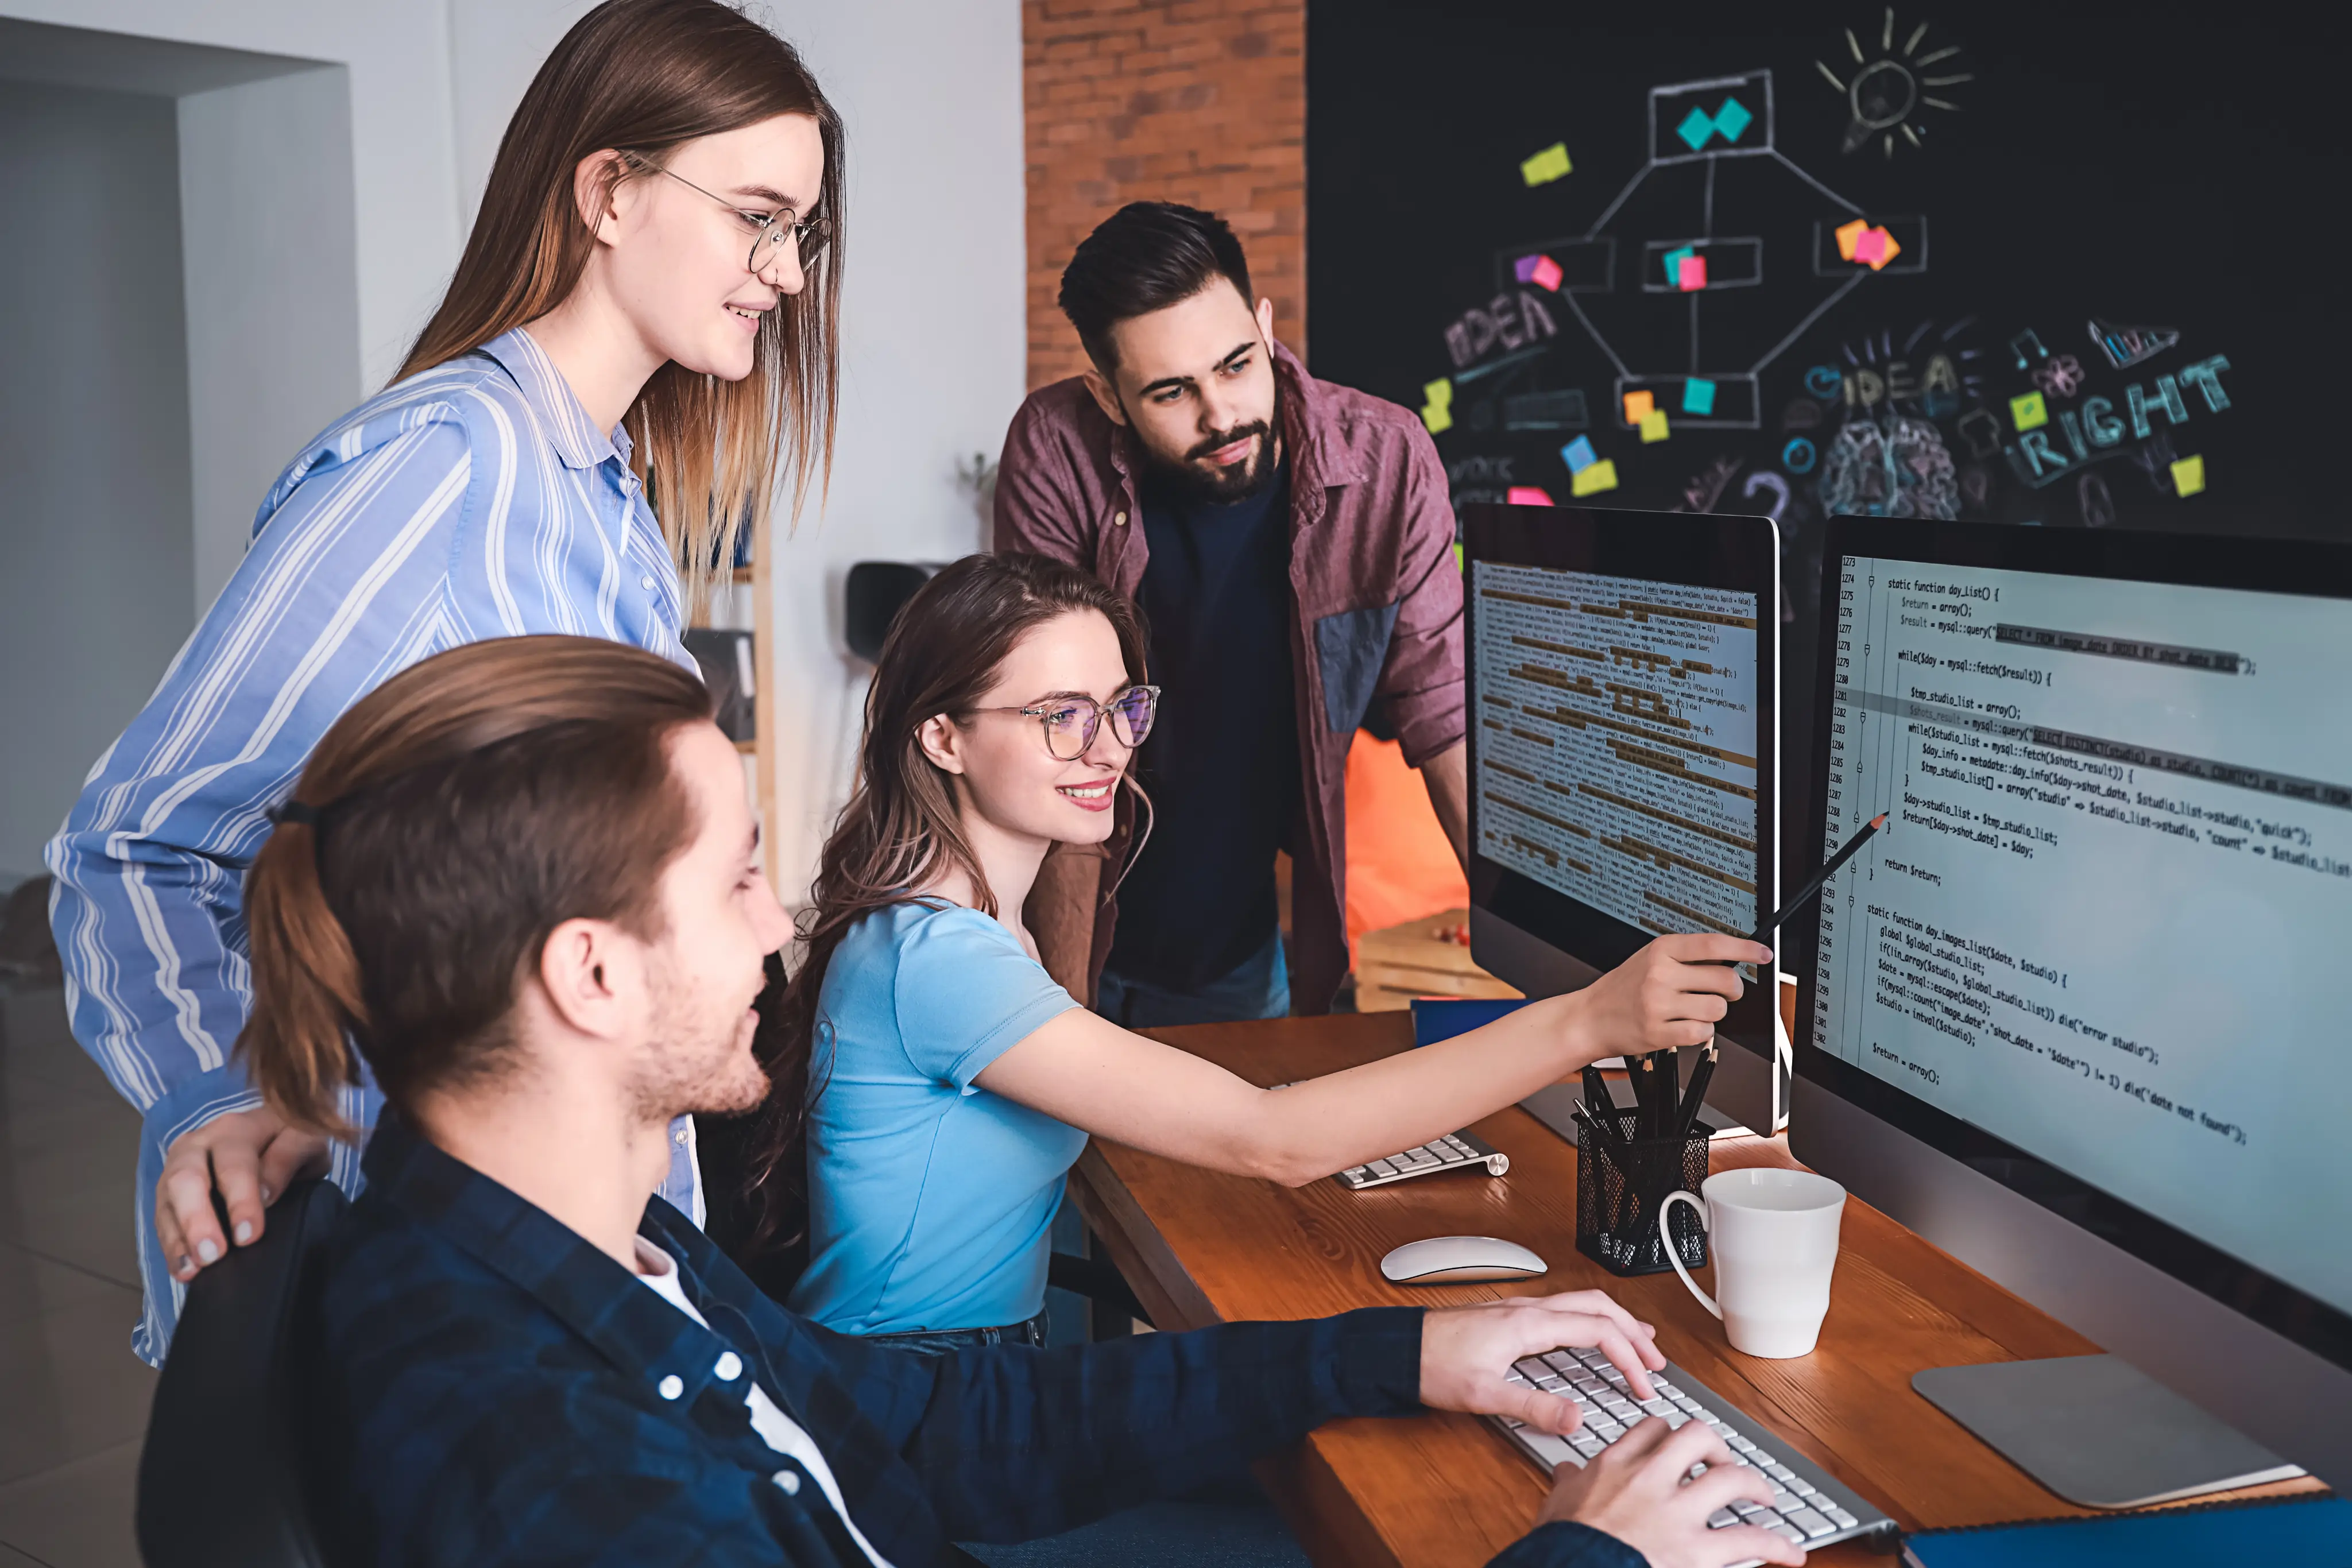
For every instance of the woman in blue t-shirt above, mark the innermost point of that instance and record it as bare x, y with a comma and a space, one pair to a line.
955, 1081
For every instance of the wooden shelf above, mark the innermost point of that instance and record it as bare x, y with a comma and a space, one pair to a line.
745, 573
748, 748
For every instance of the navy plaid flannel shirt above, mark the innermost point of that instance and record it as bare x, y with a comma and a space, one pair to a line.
492, 1393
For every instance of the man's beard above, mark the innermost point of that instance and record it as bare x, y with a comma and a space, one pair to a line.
698, 1062
1191, 480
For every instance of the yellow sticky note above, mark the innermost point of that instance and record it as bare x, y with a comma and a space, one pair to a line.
1848, 233
1547, 165
2028, 412
1654, 425
1638, 405
1596, 477
1438, 417
1438, 394
2188, 476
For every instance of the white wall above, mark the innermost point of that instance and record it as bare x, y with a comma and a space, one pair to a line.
933, 331
94, 486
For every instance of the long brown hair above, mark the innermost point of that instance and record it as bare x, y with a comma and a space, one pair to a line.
900, 830
646, 76
449, 821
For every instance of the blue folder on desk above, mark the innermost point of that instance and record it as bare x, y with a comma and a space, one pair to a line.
2291, 1531
1443, 1017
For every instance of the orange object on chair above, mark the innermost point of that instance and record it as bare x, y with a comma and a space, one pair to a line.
1400, 865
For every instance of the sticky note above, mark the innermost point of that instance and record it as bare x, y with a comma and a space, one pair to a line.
1871, 248
1695, 128
1887, 249
1849, 235
1439, 393
1439, 418
2028, 413
1693, 273
1528, 495
1638, 405
1547, 165
1698, 396
1654, 425
1732, 118
1674, 259
1547, 274
2188, 476
1579, 455
1594, 478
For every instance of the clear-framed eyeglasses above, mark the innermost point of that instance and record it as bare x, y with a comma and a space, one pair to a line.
769, 230
1071, 723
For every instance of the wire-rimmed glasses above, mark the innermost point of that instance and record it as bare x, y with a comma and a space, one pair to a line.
1070, 723
770, 230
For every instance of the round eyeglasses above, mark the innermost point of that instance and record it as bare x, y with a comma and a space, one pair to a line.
1071, 723
770, 230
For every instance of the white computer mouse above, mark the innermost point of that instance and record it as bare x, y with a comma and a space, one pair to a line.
1449, 1260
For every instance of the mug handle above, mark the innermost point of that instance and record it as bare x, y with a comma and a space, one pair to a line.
1666, 1241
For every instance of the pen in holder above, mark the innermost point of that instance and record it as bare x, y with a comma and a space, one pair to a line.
1621, 1180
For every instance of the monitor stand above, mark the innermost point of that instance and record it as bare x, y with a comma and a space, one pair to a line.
2098, 1431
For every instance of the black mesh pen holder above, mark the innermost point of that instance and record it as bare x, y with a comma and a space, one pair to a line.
1618, 1188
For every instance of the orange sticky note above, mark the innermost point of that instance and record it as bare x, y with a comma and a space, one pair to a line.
1847, 233
1638, 405
1654, 425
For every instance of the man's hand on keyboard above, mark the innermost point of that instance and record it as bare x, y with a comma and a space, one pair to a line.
1466, 1354
1671, 994
1639, 1489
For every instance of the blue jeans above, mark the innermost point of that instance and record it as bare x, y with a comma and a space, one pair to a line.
1258, 988
946, 1342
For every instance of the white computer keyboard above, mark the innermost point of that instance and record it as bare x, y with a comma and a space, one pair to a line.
1454, 1152
1809, 1507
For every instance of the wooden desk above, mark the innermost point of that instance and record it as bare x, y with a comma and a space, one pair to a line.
1447, 1489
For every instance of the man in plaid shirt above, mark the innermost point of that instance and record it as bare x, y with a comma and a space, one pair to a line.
524, 878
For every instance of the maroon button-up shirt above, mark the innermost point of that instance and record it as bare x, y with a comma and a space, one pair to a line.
1376, 597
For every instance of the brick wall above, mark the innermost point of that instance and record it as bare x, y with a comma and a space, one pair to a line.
1199, 102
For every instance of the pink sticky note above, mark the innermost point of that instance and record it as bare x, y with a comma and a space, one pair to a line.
1693, 273
1887, 249
1528, 495
1546, 273
1870, 246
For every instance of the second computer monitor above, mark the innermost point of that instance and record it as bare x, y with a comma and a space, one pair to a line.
1623, 667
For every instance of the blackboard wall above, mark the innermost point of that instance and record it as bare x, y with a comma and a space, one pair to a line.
2160, 168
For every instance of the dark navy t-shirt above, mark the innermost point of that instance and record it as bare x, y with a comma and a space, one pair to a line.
1222, 762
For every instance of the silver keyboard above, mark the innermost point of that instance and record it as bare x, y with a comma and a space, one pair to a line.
1454, 1152
1809, 1507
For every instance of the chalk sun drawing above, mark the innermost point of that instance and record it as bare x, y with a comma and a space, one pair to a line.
1889, 88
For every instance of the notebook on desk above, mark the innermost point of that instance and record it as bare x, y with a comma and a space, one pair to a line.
2289, 1532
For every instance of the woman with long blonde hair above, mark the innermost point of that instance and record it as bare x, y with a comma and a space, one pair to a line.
640, 335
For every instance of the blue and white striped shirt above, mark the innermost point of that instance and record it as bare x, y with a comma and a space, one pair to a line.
472, 501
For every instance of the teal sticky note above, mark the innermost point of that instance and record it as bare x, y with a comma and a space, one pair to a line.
1674, 259
1698, 395
1732, 118
1695, 128
1578, 455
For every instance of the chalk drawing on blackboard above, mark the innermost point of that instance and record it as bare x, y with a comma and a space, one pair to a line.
1910, 235
1723, 116
2127, 346
1588, 264
1888, 88
1893, 466
1736, 263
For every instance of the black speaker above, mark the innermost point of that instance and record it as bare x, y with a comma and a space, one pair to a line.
877, 592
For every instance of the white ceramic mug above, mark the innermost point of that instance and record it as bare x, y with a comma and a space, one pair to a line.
1773, 1237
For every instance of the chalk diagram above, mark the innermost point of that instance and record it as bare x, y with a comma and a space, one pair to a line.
1711, 123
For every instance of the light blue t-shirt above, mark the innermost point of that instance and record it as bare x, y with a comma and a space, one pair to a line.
930, 1201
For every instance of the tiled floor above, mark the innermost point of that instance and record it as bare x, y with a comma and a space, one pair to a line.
73, 1399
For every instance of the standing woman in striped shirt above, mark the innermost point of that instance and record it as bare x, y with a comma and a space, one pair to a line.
642, 331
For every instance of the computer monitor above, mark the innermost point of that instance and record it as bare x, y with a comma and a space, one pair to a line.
2077, 1014
1623, 667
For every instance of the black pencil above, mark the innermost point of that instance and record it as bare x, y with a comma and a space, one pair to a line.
1813, 883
